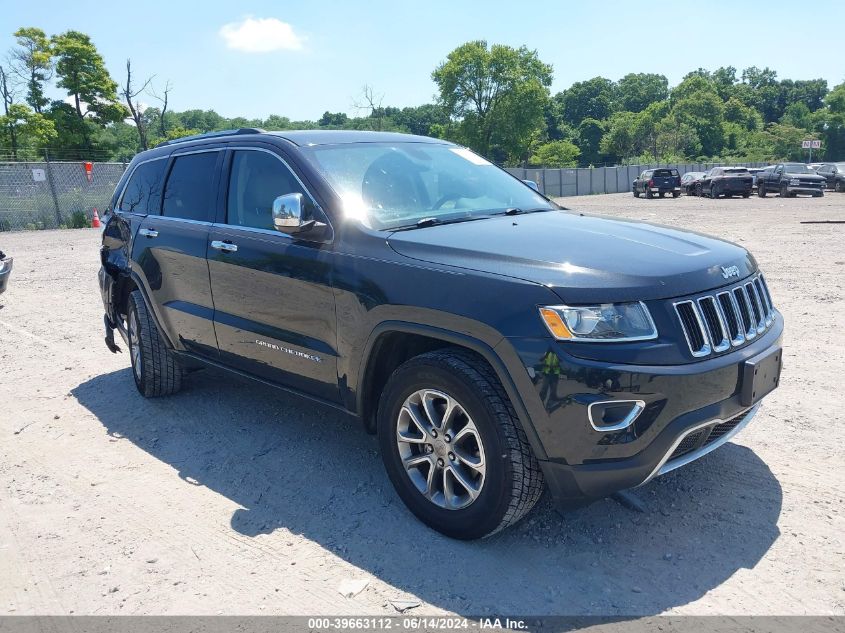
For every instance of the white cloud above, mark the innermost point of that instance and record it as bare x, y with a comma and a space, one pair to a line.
261, 35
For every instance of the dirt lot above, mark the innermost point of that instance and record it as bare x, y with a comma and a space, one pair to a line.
231, 499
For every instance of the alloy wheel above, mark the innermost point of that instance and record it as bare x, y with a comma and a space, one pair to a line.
441, 449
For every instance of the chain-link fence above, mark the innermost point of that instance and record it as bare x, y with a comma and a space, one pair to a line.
589, 180
50, 195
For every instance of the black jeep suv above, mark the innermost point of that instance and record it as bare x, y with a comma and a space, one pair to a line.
492, 340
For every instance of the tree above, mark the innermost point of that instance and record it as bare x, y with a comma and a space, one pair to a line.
32, 61
591, 99
832, 119
636, 91
555, 154
495, 94
82, 72
333, 119
129, 93
421, 119
20, 126
163, 99
590, 134
703, 111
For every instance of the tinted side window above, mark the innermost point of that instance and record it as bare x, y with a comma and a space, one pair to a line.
188, 193
143, 191
256, 179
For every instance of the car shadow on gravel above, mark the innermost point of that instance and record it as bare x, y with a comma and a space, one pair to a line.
290, 464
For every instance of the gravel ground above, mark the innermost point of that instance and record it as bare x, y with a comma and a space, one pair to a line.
229, 498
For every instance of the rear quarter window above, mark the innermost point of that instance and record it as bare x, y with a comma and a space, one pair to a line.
143, 191
188, 193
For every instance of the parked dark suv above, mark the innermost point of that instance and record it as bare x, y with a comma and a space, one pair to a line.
492, 340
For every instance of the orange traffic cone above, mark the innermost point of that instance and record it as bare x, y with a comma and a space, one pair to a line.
95, 222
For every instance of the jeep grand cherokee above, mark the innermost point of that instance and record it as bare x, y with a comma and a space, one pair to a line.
496, 343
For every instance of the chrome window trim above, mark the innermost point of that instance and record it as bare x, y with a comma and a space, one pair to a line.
129, 177
725, 343
637, 409
705, 348
664, 465
293, 173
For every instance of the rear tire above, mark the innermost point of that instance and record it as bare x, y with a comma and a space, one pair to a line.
840, 186
648, 194
761, 191
154, 366
784, 192
427, 465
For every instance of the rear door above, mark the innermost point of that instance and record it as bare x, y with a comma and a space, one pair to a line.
169, 251
273, 299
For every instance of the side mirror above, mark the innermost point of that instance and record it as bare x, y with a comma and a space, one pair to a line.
287, 212
532, 184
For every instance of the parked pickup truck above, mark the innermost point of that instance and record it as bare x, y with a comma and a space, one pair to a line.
790, 179
658, 181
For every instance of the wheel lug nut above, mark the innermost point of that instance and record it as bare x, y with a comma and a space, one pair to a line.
447, 437
429, 448
440, 462
451, 457
433, 432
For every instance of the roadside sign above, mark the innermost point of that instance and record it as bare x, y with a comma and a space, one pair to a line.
816, 144
38, 175
805, 144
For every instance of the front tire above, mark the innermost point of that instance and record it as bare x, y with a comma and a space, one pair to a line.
761, 191
154, 366
453, 447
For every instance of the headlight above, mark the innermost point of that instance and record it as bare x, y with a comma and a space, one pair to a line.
794, 182
605, 323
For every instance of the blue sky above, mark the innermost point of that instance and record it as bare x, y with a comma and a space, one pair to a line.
326, 51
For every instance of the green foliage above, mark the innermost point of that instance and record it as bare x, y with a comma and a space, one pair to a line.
636, 91
29, 128
555, 154
591, 99
32, 59
78, 220
495, 95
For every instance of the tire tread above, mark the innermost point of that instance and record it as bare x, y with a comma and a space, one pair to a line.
162, 371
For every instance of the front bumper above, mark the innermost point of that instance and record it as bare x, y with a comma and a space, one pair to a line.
804, 189
688, 411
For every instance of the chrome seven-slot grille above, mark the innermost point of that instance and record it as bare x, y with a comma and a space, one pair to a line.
729, 318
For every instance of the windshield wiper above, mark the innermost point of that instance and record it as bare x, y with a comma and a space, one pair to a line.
517, 210
432, 221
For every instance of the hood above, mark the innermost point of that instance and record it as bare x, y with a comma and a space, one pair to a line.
582, 258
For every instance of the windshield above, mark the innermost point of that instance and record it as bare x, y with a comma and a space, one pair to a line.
797, 168
392, 185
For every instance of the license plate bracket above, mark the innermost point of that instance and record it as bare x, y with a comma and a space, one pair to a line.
760, 376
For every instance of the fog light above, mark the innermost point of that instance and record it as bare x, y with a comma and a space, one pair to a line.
614, 415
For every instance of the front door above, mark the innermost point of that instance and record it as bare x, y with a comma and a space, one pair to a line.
169, 252
273, 300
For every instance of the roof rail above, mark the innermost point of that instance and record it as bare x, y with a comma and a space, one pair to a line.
194, 137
